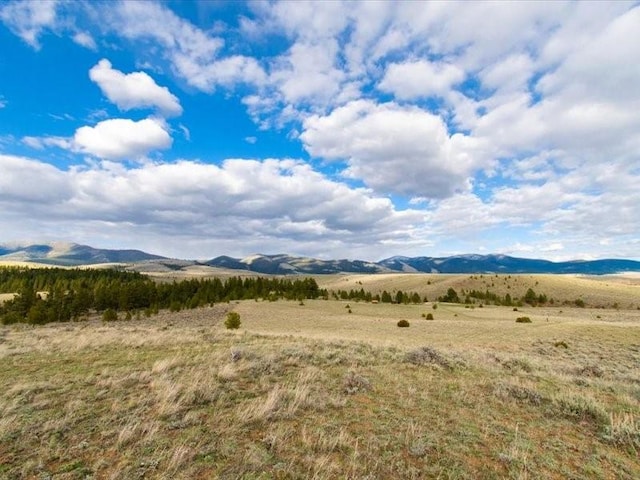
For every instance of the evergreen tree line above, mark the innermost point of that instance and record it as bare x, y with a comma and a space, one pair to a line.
58, 295
385, 297
470, 296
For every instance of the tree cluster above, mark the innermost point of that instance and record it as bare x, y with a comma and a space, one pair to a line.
530, 297
385, 297
57, 295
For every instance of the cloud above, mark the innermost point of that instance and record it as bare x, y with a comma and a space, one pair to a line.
120, 139
420, 79
392, 148
85, 40
226, 72
308, 73
133, 90
3, 102
207, 204
29, 19
194, 54
25, 183
40, 143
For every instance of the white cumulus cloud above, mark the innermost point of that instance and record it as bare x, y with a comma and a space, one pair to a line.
209, 206
420, 79
119, 138
133, 90
393, 148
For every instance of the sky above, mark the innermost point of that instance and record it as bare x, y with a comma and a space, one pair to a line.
329, 129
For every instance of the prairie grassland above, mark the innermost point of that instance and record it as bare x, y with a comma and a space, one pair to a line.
312, 391
595, 291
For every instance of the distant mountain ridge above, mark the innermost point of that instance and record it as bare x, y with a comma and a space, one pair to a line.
286, 264
71, 254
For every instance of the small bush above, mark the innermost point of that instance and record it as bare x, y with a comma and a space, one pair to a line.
109, 315
623, 430
435, 306
429, 316
233, 321
590, 371
523, 320
515, 309
519, 393
579, 303
561, 344
354, 383
431, 356
403, 323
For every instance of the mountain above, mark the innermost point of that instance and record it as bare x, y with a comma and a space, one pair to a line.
506, 264
286, 264
71, 254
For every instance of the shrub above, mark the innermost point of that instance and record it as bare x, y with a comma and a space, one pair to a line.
523, 320
109, 315
429, 316
579, 303
590, 371
561, 344
403, 323
431, 356
435, 306
515, 309
354, 383
233, 320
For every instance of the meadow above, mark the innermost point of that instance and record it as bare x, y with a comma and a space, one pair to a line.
332, 389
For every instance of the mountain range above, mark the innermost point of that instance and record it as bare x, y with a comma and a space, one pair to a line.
71, 254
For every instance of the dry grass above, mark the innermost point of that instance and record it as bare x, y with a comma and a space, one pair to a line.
312, 392
598, 291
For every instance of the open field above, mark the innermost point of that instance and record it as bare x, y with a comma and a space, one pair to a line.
312, 391
596, 291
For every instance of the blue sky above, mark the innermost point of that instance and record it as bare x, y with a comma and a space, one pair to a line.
329, 129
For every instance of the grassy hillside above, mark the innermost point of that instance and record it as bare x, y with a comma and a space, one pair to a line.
603, 291
312, 391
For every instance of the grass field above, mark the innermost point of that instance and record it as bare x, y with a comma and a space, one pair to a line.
595, 291
312, 391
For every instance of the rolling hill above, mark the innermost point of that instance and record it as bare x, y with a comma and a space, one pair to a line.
71, 254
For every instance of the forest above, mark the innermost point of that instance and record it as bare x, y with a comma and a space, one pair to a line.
60, 295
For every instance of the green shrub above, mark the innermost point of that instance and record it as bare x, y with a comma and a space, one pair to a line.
579, 303
523, 320
233, 320
109, 315
429, 316
403, 323
561, 344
